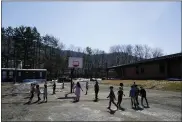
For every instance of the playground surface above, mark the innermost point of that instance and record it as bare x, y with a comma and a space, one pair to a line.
164, 105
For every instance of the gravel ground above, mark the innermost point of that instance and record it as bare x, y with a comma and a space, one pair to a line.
164, 106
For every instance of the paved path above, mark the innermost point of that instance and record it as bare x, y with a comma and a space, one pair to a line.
164, 106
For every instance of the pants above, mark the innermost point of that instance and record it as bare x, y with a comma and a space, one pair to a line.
86, 91
45, 97
145, 100
112, 101
133, 101
96, 95
38, 95
54, 90
73, 90
31, 97
119, 102
137, 100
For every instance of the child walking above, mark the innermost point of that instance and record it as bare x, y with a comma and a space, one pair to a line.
32, 92
120, 97
111, 97
143, 96
54, 87
86, 87
45, 92
73, 85
133, 96
77, 91
96, 89
38, 92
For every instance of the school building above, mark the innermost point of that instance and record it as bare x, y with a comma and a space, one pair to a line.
160, 68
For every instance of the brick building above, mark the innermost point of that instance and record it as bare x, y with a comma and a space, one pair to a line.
164, 67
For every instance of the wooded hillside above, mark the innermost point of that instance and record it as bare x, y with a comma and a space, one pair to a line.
35, 51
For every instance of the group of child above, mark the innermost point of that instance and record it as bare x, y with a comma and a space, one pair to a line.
134, 93
35, 89
112, 97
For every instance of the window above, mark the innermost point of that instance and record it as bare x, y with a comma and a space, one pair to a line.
161, 68
40, 74
142, 70
11, 74
19, 73
4, 74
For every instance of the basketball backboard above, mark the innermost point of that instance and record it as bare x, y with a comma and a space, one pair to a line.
75, 62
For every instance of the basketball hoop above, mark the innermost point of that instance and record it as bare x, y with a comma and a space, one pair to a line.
75, 63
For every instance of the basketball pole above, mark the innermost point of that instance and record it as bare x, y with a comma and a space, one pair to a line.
72, 70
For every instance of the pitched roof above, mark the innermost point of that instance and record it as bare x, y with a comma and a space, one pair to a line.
172, 56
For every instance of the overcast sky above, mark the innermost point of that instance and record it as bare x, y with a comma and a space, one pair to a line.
101, 24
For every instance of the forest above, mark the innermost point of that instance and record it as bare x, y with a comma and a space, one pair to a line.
25, 44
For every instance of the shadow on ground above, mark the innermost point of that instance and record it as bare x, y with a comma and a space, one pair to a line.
146, 106
29, 103
111, 111
66, 98
137, 108
12, 94
122, 109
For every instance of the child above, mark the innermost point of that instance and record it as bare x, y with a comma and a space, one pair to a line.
32, 92
31, 89
143, 95
120, 96
86, 87
96, 89
111, 98
132, 95
54, 87
73, 85
77, 91
45, 92
38, 92
137, 93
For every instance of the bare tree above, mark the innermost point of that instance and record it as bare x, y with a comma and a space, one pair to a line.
72, 48
157, 52
129, 51
147, 52
138, 52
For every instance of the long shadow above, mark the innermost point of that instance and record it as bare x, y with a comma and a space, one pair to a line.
66, 98
75, 101
137, 108
146, 106
13, 94
30, 103
122, 109
27, 103
66, 95
95, 100
42, 102
111, 111
26, 97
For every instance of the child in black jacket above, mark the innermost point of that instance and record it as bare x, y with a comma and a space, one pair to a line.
111, 98
120, 96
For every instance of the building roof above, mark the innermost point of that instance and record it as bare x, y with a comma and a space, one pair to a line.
24, 69
172, 56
